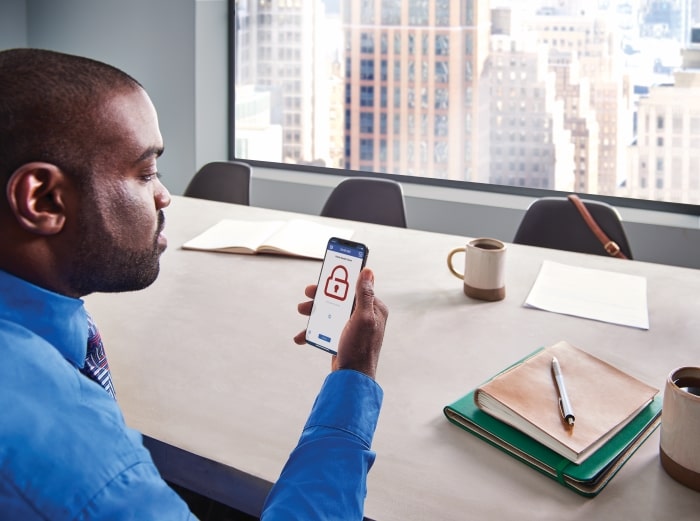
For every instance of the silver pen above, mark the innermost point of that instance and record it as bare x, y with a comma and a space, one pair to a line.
564, 404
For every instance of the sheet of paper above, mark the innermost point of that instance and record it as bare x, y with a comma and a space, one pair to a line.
607, 296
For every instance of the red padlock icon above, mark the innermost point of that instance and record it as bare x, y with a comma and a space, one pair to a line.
337, 284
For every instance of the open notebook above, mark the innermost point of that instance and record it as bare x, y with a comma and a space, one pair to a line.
296, 237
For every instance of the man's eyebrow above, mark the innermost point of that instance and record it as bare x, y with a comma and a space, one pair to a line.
149, 153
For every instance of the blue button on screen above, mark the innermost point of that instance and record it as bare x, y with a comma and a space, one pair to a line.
324, 338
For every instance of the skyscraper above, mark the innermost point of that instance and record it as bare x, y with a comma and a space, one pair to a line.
584, 52
529, 145
412, 102
276, 51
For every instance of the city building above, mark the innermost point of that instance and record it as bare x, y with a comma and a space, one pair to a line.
665, 159
585, 54
529, 145
276, 52
412, 102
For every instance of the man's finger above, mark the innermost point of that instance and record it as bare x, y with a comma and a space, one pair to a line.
365, 289
305, 307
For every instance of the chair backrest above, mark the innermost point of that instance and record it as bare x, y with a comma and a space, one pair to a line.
554, 222
369, 200
225, 181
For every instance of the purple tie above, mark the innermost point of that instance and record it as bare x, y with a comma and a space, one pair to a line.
96, 367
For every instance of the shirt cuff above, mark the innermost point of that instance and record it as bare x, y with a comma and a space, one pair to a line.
349, 401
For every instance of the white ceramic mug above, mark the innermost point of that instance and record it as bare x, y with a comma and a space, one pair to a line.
680, 427
484, 268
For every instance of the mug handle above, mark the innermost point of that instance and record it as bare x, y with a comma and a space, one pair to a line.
449, 263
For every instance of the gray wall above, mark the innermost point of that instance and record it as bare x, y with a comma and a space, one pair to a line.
13, 24
177, 50
154, 41
211, 82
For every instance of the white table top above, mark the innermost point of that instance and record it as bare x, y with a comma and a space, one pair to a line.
204, 360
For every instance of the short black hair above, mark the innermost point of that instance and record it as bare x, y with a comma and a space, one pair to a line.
50, 108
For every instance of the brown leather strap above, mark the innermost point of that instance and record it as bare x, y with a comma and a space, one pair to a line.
609, 245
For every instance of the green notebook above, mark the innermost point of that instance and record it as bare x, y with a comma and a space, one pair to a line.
587, 478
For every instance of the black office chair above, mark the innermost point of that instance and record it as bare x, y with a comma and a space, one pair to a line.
554, 222
367, 199
225, 181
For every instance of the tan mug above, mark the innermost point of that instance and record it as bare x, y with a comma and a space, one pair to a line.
680, 427
484, 269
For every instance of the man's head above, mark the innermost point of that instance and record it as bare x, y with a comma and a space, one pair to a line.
81, 204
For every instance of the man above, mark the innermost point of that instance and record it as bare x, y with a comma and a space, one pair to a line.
82, 211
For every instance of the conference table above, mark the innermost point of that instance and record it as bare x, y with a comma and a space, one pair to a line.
205, 367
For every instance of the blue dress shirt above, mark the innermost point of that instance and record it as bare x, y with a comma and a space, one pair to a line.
325, 476
66, 453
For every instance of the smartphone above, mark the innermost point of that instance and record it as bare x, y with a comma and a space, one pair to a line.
335, 296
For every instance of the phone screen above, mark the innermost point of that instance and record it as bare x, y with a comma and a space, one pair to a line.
335, 296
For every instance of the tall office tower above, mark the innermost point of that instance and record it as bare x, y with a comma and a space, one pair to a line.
665, 159
412, 102
585, 54
529, 145
276, 51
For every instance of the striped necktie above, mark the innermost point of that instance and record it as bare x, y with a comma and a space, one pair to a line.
96, 367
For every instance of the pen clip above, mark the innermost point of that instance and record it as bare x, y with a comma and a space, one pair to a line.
568, 418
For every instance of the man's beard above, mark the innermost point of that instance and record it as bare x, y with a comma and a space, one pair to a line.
102, 265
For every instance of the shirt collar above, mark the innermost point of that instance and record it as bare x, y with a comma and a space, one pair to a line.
60, 320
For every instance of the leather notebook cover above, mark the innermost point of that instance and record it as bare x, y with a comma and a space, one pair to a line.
587, 478
604, 399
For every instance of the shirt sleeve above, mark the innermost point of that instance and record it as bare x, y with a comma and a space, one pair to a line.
326, 474
138, 493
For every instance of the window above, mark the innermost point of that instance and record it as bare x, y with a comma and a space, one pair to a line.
391, 12
388, 69
366, 96
366, 149
367, 12
366, 69
418, 12
442, 44
367, 43
366, 122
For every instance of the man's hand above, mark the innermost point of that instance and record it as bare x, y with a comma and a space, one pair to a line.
361, 339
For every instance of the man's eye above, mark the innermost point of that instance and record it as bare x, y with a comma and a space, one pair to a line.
151, 177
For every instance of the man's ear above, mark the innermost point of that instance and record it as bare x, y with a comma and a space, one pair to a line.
36, 194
